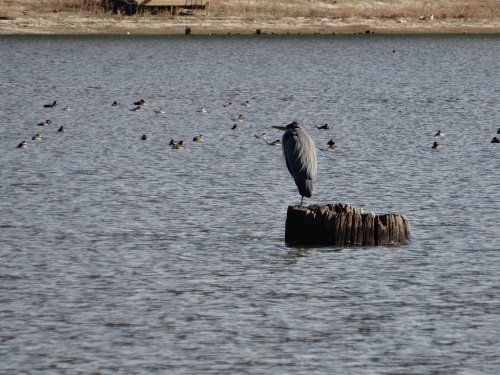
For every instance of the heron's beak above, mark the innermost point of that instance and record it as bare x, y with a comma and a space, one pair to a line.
279, 127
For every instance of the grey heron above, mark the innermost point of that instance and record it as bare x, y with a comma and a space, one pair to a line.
300, 156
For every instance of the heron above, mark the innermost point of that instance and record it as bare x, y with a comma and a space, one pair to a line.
300, 156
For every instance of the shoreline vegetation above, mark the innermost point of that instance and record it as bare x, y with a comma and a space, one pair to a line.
246, 17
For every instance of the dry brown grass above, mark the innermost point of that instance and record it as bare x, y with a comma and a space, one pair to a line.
275, 9
474, 9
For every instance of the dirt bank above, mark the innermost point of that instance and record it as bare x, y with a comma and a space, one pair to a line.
69, 17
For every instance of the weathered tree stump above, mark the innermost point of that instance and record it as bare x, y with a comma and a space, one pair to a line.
343, 225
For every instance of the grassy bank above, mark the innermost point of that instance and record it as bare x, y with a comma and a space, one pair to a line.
275, 9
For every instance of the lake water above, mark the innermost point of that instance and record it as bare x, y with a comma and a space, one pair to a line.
123, 256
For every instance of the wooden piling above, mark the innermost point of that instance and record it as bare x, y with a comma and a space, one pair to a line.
343, 225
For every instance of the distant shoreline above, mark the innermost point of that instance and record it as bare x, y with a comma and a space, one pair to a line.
70, 24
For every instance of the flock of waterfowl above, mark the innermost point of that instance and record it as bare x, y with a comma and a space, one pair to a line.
440, 133
45, 124
140, 105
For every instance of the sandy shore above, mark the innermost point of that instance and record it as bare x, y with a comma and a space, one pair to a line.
77, 24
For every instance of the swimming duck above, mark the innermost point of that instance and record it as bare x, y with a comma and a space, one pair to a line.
235, 127
114, 104
439, 133
331, 142
324, 127
23, 144
51, 105
199, 138
436, 145
177, 146
160, 111
67, 108
495, 140
140, 102
498, 131
37, 137
228, 105
137, 109
62, 129
329, 148
277, 142
144, 137
202, 110
262, 136
246, 103
45, 123
240, 118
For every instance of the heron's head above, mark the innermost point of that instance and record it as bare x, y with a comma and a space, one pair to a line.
289, 127
293, 125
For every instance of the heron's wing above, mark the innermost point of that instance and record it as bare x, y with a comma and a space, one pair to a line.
300, 156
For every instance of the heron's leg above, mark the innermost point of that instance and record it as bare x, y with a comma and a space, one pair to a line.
301, 200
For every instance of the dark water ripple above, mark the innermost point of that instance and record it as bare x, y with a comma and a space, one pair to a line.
123, 256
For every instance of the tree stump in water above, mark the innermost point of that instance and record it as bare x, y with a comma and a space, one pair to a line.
343, 225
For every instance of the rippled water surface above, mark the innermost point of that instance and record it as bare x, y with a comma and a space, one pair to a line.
125, 256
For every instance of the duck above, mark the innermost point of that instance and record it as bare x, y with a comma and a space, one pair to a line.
262, 136
495, 140
67, 108
199, 138
45, 123
240, 118
235, 127
436, 145
277, 142
177, 146
23, 144
332, 148
62, 129
144, 137
114, 104
498, 131
140, 102
202, 110
160, 111
246, 103
51, 105
137, 109
439, 133
37, 137
228, 105
323, 127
